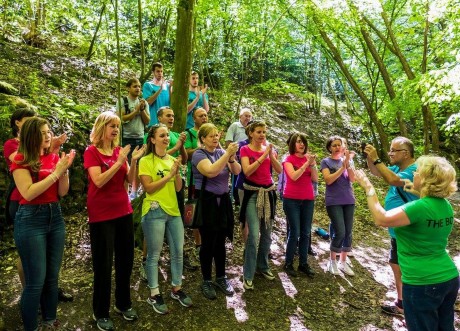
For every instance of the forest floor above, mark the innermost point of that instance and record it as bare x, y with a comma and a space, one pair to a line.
321, 303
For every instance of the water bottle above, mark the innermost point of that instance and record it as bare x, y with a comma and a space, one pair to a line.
322, 233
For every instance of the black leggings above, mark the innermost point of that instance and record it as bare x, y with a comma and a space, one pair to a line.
212, 246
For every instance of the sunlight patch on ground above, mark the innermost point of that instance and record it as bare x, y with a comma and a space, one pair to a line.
288, 287
297, 321
236, 302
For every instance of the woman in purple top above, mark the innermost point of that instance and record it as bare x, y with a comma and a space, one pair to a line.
215, 164
340, 202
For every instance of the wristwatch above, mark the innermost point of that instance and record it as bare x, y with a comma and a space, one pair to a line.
377, 161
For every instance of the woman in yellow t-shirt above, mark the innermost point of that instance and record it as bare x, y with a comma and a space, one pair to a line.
160, 177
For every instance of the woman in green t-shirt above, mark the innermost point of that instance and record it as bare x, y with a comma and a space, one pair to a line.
430, 277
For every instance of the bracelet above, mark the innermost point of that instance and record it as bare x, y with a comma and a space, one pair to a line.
313, 166
231, 161
258, 162
54, 177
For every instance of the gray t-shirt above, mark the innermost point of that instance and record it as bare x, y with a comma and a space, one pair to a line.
135, 127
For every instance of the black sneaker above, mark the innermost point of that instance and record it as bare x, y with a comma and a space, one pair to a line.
290, 270
392, 310
208, 290
222, 284
63, 296
305, 268
158, 304
128, 314
104, 324
183, 298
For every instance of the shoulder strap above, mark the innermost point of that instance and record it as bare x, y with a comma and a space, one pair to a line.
125, 101
403, 197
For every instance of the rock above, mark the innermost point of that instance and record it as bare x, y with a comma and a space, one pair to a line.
8, 88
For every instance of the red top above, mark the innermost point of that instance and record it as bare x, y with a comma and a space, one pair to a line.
302, 188
48, 162
262, 175
111, 200
11, 146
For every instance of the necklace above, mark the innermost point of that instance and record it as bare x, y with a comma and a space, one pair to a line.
161, 156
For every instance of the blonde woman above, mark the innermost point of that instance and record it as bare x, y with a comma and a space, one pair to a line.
110, 217
430, 277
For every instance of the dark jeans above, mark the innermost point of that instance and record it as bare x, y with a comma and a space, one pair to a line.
39, 234
212, 247
108, 238
342, 222
299, 214
430, 307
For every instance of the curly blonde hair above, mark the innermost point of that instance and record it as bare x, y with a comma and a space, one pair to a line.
437, 177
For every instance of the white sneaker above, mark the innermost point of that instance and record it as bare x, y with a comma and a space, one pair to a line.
332, 267
349, 262
346, 268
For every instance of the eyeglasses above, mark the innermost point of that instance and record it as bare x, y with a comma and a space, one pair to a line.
396, 150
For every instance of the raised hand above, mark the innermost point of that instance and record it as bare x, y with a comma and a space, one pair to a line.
232, 148
311, 159
362, 179
56, 143
138, 152
122, 157
176, 166
65, 161
204, 89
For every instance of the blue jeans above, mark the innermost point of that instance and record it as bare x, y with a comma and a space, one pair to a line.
257, 249
342, 222
299, 214
39, 234
154, 225
430, 307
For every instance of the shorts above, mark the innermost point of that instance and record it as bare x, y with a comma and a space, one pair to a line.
393, 258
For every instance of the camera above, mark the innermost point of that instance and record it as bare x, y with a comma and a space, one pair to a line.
363, 146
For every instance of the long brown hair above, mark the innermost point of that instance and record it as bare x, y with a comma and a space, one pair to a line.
30, 142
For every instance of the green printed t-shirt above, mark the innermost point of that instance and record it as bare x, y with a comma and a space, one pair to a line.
157, 168
190, 143
422, 244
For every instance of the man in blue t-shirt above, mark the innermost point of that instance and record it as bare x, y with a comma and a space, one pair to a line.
157, 92
197, 98
402, 168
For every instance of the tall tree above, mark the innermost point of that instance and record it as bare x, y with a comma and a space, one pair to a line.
183, 62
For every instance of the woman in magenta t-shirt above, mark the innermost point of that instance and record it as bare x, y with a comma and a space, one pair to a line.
298, 201
39, 231
110, 217
258, 207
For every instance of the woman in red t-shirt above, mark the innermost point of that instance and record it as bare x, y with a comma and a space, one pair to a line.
39, 231
110, 217
259, 201
298, 201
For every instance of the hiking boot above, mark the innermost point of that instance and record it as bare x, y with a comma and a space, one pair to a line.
289, 268
332, 267
247, 284
63, 296
392, 310
267, 274
346, 268
222, 284
305, 268
158, 304
188, 264
128, 314
143, 272
208, 290
183, 298
104, 324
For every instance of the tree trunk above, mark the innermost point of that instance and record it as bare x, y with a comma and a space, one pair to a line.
141, 37
91, 46
117, 38
367, 104
183, 62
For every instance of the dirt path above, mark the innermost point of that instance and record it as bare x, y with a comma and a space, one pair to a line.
325, 302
